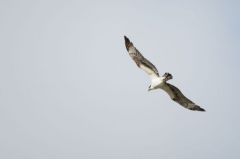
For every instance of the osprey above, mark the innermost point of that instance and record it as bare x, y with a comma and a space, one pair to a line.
159, 82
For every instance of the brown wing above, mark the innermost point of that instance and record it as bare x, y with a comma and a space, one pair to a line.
178, 97
140, 60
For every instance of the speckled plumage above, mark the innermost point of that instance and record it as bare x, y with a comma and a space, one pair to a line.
157, 81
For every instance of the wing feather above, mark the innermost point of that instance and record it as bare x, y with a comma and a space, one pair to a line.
177, 96
140, 60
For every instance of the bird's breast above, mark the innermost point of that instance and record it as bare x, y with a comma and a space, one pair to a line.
157, 83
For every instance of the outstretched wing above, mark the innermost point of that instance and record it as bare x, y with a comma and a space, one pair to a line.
140, 60
178, 97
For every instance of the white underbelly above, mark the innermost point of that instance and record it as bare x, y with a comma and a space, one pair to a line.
157, 83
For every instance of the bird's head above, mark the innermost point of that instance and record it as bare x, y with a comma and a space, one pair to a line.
167, 76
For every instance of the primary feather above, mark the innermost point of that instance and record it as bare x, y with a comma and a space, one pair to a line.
177, 96
140, 60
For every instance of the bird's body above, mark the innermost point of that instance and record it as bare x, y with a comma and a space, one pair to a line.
157, 81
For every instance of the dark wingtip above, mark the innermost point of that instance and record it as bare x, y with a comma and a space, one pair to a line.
199, 109
126, 39
127, 42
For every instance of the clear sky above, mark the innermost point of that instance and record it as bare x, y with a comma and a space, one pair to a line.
68, 88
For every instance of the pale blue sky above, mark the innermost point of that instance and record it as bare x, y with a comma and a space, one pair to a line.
68, 88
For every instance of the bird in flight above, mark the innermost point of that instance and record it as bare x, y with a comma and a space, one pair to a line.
157, 81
